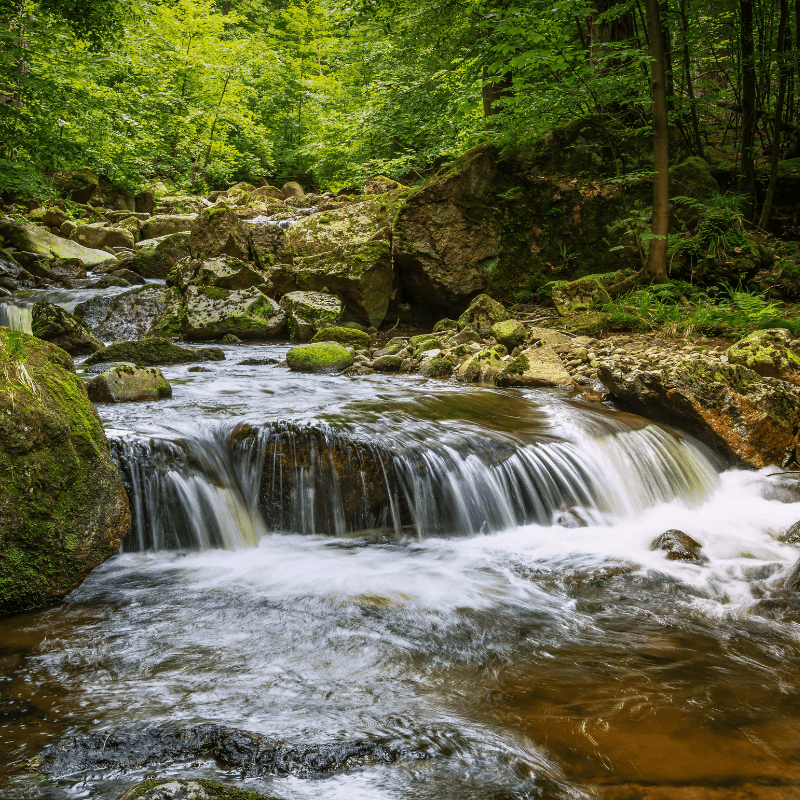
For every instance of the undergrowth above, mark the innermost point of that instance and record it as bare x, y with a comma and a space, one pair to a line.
680, 309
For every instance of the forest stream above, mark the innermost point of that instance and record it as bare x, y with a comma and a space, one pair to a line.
461, 574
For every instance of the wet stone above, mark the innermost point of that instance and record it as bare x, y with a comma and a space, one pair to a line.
679, 547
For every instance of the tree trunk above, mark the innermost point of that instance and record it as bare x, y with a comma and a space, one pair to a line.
747, 177
778, 123
494, 88
687, 68
214, 124
657, 267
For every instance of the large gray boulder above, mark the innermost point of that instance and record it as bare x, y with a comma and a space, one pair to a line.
446, 237
226, 272
533, 368
266, 242
309, 312
130, 315
97, 237
163, 225
219, 232
211, 313
33, 239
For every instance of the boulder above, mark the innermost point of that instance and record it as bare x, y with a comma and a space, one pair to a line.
211, 312
319, 357
584, 294
266, 241
509, 333
33, 239
309, 312
692, 178
380, 184
132, 224
532, 368
130, 315
127, 383
792, 534
63, 509
121, 277
446, 238
53, 324
153, 351
440, 366
679, 547
219, 232
483, 367
767, 353
265, 191
77, 184
346, 251
99, 236
226, 272
387, 363
69, 269
292, 189
745, 418
163, 225
145, 202
349, 337
482, 314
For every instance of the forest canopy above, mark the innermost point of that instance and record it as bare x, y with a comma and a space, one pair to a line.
328, 92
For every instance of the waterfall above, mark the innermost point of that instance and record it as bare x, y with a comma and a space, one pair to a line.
225, 487
17, 316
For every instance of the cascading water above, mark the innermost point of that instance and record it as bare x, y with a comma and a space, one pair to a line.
16, 315
226, 486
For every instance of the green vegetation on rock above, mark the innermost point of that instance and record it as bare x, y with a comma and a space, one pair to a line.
349, 337
153, 351
319, 357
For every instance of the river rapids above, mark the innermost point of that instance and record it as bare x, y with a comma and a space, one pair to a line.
461, 572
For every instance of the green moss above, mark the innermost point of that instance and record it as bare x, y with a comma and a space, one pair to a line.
152, 351
440, 367
319, 357
349, 337
445, 325
518, 365
213, 292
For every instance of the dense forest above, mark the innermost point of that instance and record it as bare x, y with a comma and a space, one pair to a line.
204, 94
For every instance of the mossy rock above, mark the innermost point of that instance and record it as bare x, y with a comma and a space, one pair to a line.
442, 366
510, 333
416, 341
180, 788
588, 324
767, 354
127, 383
309, 312
692, 178
426, 345
158, 258
63, 509
153, 351
53, 324
349, 337
319, 357
483, 312
387, 363
483, 366
209, 312
445, 325
584, 294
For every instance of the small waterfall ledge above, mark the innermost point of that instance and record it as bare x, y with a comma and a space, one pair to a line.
226, 486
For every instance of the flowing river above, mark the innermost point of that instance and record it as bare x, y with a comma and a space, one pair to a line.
461, 572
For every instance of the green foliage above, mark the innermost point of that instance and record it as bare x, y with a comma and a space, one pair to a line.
679, 308
719, 230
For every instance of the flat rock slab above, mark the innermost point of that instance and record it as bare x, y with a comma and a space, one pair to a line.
252, 754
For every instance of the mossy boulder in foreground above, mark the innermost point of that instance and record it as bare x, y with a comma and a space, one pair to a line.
309, 312
152, 351
63, 509
319, 357
767, 354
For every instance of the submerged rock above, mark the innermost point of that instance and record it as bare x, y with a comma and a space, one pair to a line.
152, 351
679, 547
63, 509
534, 367
251, 754
53, 324
127, 383
319, 357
